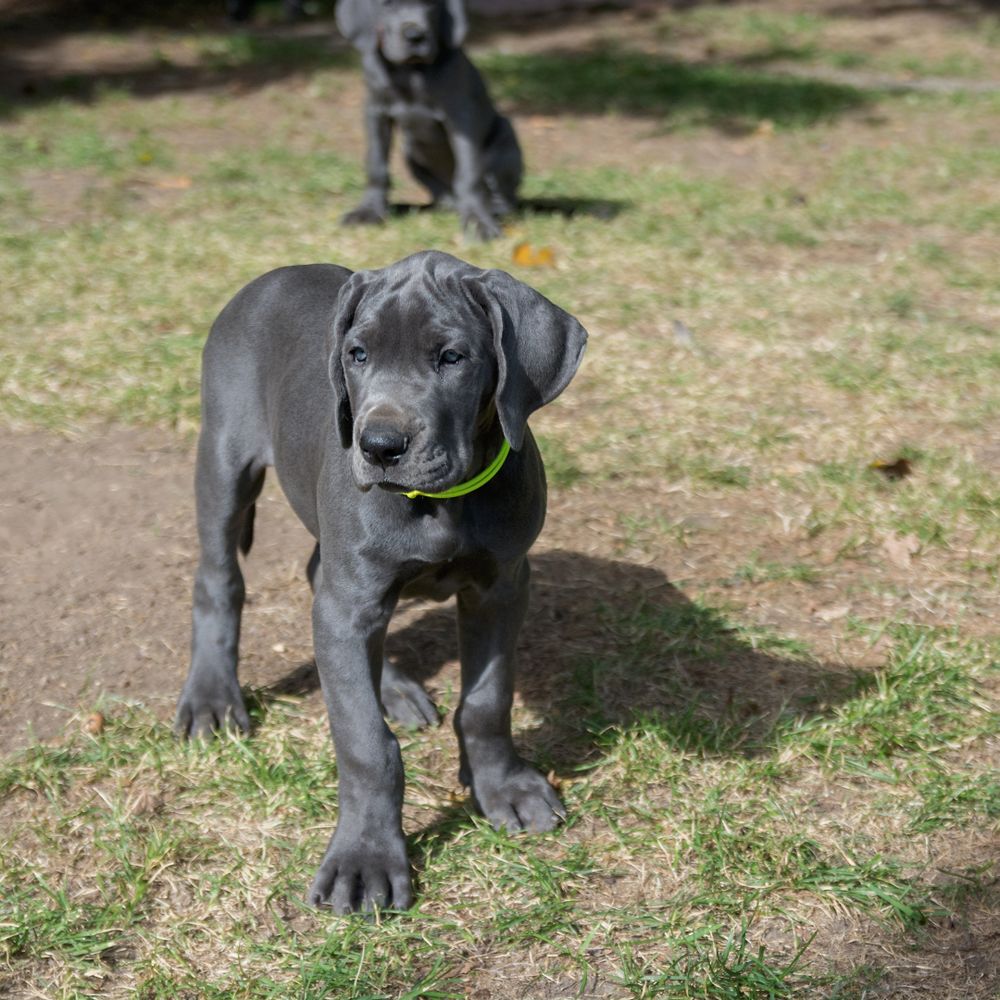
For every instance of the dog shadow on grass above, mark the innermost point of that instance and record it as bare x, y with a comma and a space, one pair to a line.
568, 207
610, 645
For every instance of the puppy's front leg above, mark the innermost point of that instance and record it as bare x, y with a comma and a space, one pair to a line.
509, 792
365, 865
374, 204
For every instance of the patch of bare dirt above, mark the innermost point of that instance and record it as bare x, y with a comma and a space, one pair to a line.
98, 536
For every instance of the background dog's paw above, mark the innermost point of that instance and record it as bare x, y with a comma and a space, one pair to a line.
364, 215
205, 709
362, 879
405, 701
480, 225
522, 801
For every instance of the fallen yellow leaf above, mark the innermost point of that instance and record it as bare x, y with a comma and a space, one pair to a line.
528, 256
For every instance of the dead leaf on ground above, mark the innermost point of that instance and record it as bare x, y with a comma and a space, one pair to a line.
900, 549
899, 468
833, 613
531, 256
145, 802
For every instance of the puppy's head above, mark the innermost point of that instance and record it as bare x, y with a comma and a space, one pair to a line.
405, 32
425, 355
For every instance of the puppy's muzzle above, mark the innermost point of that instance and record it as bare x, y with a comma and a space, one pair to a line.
413, 33
383, 445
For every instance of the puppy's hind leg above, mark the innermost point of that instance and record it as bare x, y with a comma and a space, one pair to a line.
510, 792
404, 700
429, 157
441, 193
504, 170
226, 489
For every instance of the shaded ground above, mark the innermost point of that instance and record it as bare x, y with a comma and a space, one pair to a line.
61, 48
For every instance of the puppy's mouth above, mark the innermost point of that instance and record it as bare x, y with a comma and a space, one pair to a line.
436, 478
391, 487
416, 51
418, 58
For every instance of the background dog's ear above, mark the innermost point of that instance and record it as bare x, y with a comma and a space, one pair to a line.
454, 23
351, 293
538, 347
356, 21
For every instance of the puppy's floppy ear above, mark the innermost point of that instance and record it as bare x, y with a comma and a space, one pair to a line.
356, 20
454, 23
538, 347
351, 293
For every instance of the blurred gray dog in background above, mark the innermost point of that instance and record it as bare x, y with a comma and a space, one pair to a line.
456, 143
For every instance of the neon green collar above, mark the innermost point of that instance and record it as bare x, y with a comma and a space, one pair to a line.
472, 484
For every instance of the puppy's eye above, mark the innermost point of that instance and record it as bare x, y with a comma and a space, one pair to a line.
450, 357
359, 354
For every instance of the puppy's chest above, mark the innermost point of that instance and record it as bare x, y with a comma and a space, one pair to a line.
443, 580
410, 103
442, 556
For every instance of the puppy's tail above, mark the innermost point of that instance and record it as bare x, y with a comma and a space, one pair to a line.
246, 529
252, 491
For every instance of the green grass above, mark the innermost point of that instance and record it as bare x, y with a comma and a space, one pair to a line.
758, 37
757, 570
562, 468
922, 703
242, 50
131, 853
631, 82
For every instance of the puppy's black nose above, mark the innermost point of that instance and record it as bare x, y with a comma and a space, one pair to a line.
383, 445
414, 32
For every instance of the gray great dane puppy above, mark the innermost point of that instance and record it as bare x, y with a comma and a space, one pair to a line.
362, 389
455, 142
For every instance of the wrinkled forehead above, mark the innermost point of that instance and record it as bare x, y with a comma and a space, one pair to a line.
408, 9
413, 307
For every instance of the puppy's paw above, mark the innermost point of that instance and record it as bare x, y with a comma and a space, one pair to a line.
523, 800
405, 701
360, 878
206, 707
501, 205
480, 225
364, 215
